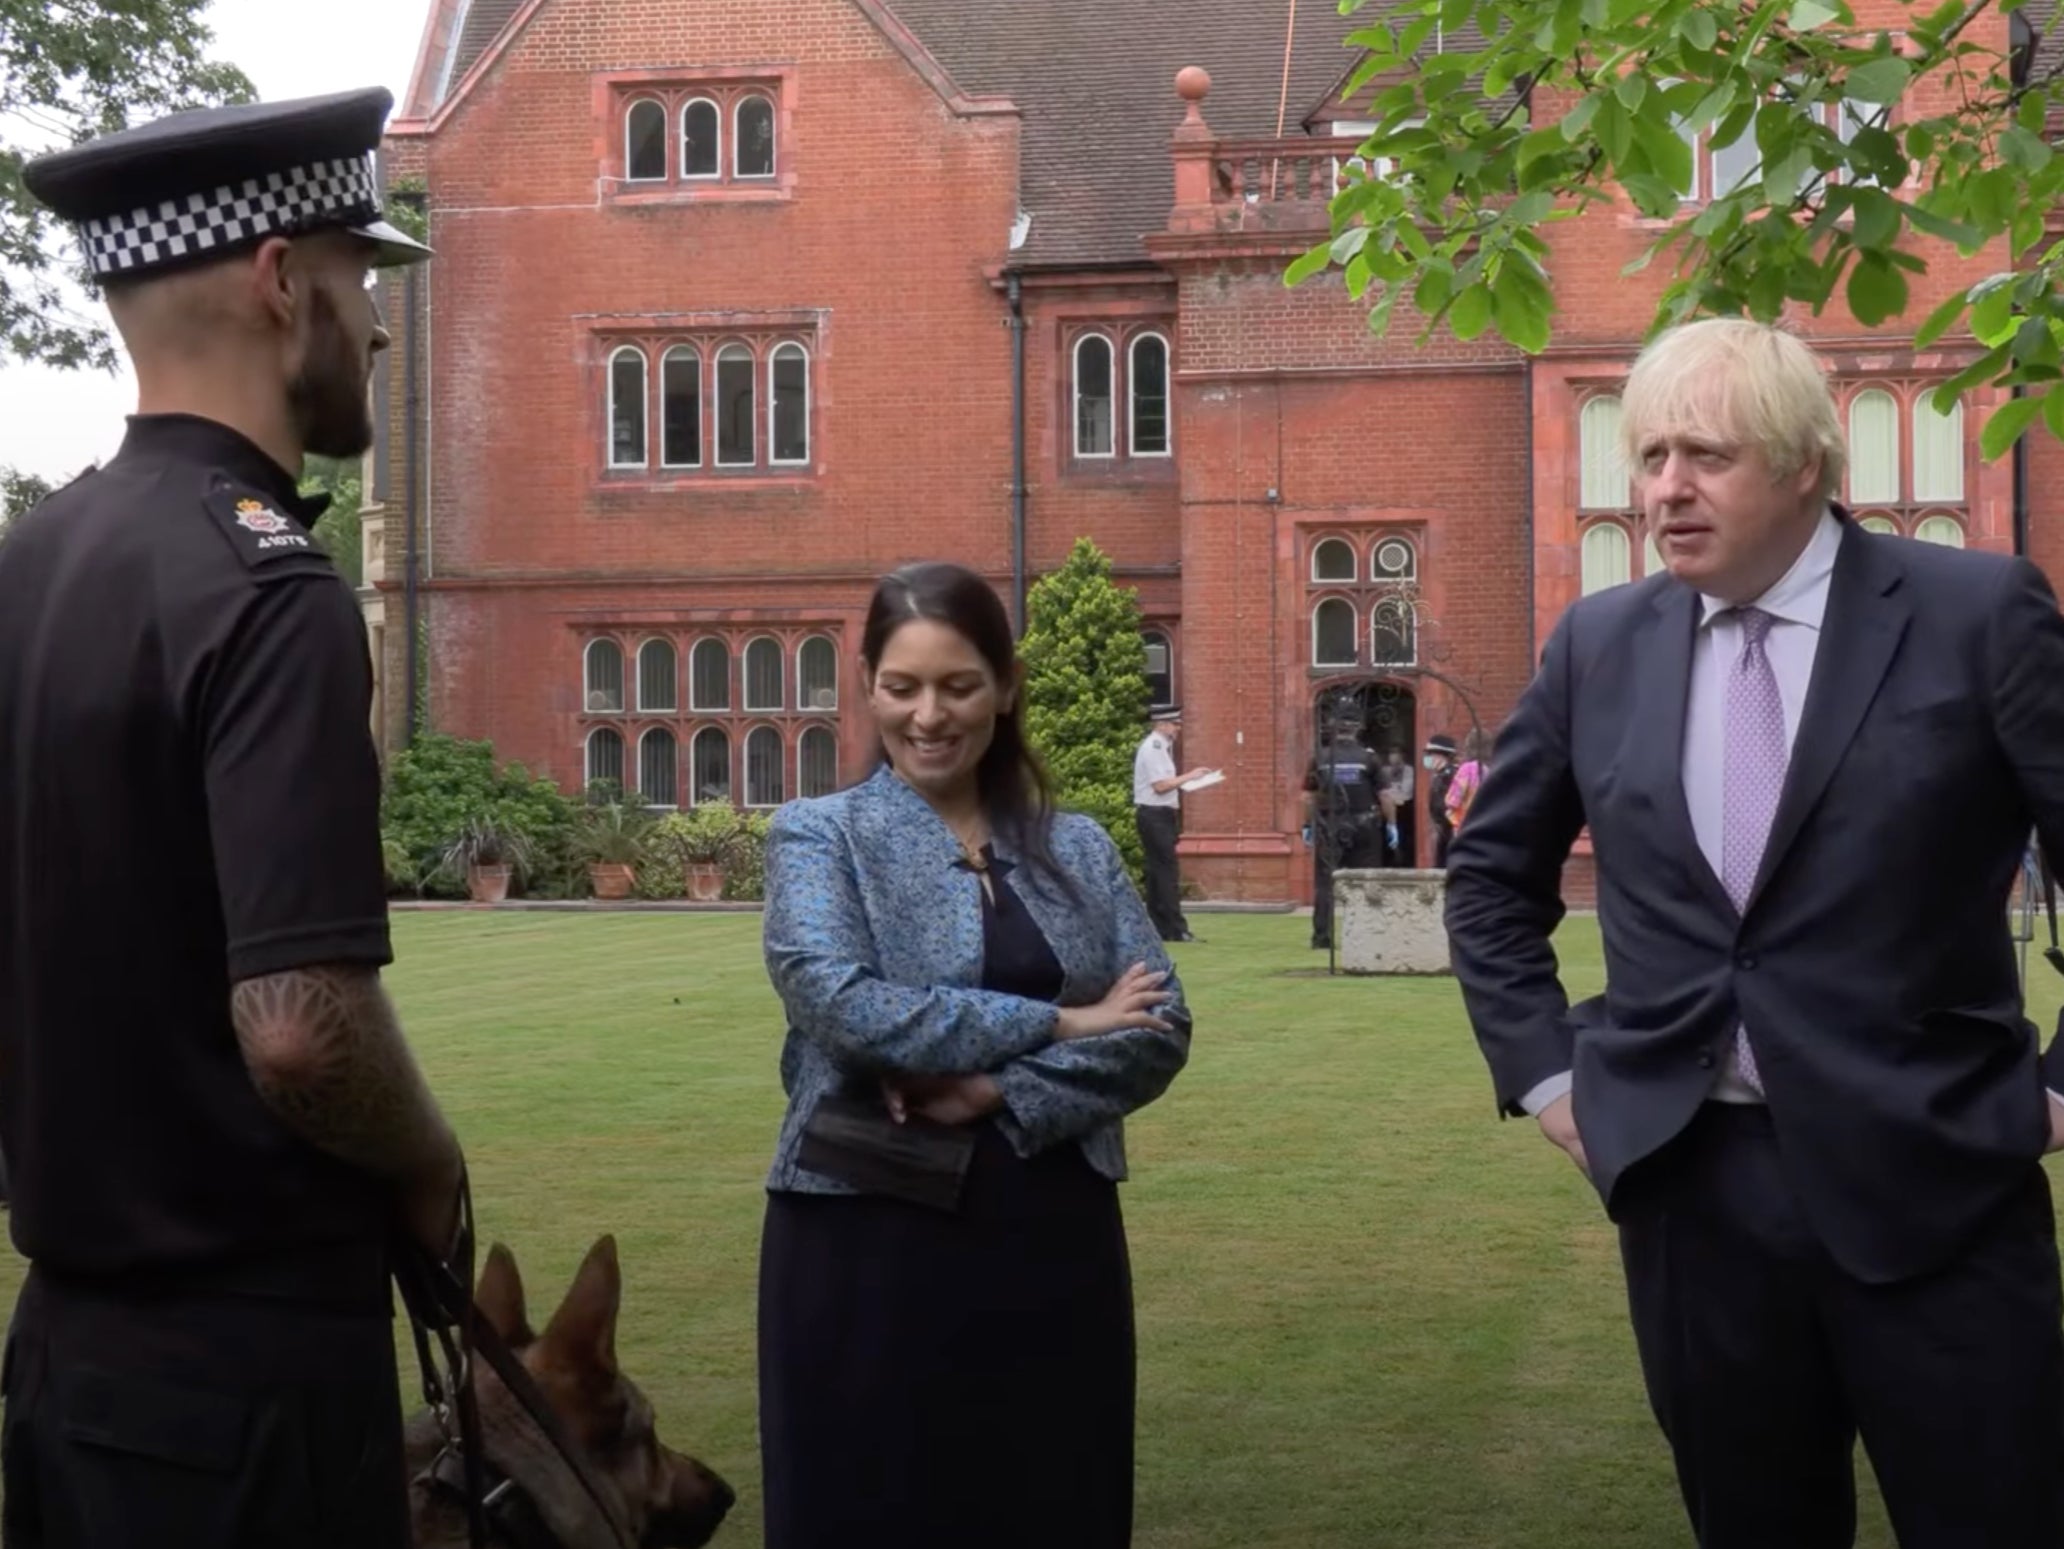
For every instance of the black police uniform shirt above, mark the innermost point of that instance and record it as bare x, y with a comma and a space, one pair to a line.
189, 796
1345, 776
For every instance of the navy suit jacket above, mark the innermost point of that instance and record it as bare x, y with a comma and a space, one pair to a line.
1872, 965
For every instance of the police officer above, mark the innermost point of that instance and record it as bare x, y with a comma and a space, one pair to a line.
212, 1122
1439, 760
1340, 804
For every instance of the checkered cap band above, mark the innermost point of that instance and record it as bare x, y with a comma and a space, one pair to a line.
324, 193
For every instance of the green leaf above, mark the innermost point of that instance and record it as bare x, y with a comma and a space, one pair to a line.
2053, 411
1697, 27
1883, 80
1309, 264
1940, 321
1981, 370
1436, 285
1578, 119
1809, 14
1632, 92
1877, 219
1877, 290
1520, 309
1470, 313
2003, 428
1542, 142
1348, 243
2021, 149
1615, 129
1920, 142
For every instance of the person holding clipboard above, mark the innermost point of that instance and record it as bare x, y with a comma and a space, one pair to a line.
1156, 804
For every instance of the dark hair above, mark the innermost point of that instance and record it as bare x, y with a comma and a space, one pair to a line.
1016, 795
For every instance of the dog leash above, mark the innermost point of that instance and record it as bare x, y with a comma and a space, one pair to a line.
439, 1298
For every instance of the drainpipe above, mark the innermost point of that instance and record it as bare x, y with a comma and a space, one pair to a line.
2021, 484
1532, 608
1015, 291
412, 441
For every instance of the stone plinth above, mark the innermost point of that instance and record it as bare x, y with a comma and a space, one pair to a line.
1390, 921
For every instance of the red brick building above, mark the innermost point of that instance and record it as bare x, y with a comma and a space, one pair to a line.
739, 304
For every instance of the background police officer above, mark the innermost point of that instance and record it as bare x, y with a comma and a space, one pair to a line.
212, 1122
1340, 805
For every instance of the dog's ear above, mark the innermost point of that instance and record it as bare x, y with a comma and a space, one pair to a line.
583, 1330
500, 1298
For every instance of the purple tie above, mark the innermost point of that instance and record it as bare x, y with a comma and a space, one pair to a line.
1754, 775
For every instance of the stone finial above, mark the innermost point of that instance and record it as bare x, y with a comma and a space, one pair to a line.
1193, 83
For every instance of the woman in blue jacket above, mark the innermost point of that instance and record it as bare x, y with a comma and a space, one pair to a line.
976, 998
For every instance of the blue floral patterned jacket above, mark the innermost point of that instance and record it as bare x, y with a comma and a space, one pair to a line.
873, 938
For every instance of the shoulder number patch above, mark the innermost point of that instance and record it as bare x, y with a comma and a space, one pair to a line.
259, 531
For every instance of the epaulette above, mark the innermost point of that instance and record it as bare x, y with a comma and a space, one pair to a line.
268, 541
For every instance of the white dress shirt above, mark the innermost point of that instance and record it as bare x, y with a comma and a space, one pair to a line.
1154, 761
1797, 604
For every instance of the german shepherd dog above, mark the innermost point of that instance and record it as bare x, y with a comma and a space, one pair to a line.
668, 1500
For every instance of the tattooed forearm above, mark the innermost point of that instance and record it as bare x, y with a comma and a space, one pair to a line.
328, 1057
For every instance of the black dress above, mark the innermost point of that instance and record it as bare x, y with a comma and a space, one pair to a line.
933, 1381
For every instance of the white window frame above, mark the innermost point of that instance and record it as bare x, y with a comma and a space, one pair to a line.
730, 764
1598, 537
1075, 397
1934, 495
725, 646
1375, 616
587, 675
643, 796
803, 737
1613, 446
1167, 644
802, 707
1889, 497
701, 399
630, 112
745, 676
780, 767
675, 651
1354, 564
681, 140
733, 350
738, 173
1879, 524
773, 358
644, 404
1354, 634
588, 774
1167, 394
1411, 574
1941, 521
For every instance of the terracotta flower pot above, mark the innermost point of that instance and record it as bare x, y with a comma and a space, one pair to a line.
487, 884
705, 881
612, 881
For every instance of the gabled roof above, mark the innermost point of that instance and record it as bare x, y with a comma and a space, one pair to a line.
1095, 82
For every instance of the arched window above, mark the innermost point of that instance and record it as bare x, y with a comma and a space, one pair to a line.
763, 768
1874, 448
754, 138
709, 676
605, 756
701, 135
1880, 524
788, 404
1608, 557
710, 759
645, 140
1393, 632
680, 408
1938, 450
658, 768
1945, 530
735, 406
604, 669
1093, 371
1333, 633
657, 690
817, 675
763, 674
1604, 456
1160, 669
1147, 430
1394, 559
816, 762
1333, 560
627, 408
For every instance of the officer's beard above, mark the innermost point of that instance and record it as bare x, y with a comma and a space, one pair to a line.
327, 396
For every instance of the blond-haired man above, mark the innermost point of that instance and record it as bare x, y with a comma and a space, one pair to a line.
1809, 758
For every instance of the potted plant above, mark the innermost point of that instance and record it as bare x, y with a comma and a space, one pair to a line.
704, 842
611, 840
487, 853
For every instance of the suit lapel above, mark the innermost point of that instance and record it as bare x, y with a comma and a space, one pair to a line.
1662, 699
1865, 621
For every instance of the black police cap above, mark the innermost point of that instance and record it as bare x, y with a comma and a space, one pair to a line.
206, 183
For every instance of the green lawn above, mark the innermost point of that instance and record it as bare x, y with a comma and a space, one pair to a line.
1370, 1314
